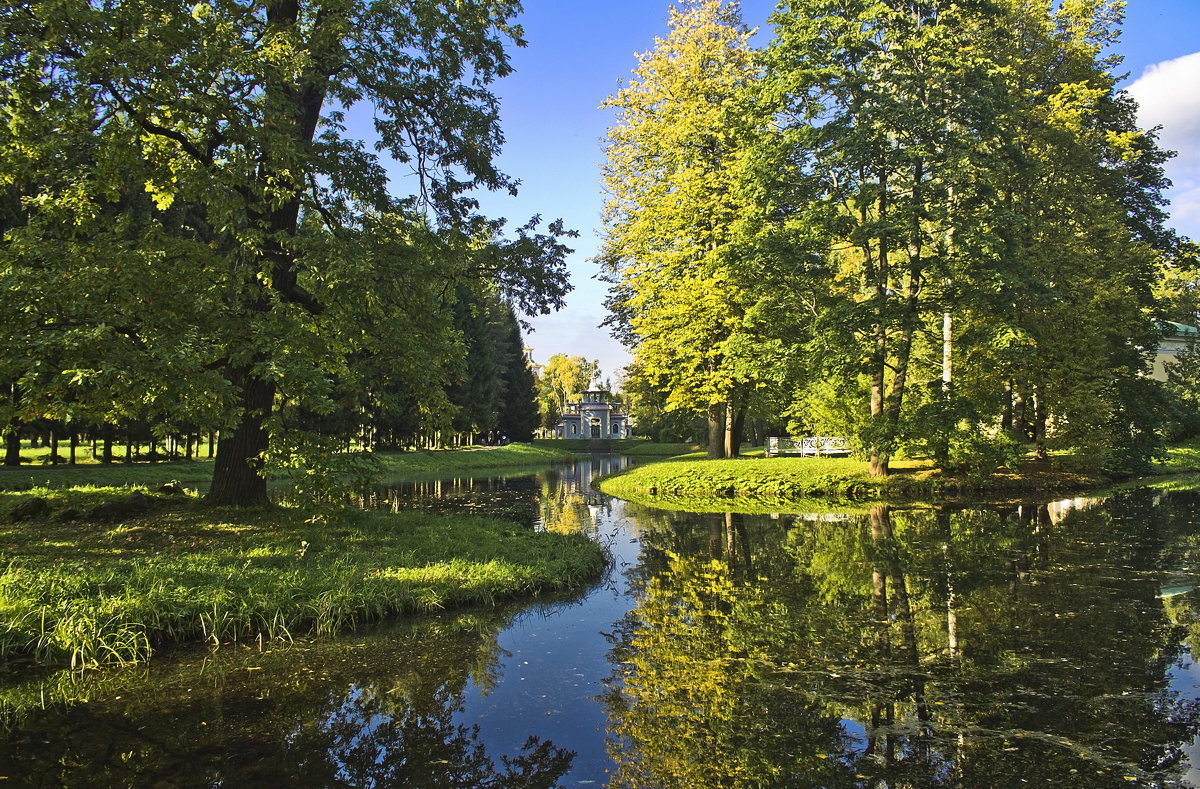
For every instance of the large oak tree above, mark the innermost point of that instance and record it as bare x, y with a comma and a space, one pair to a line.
196, 219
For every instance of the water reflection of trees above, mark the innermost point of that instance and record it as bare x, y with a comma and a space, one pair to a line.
376, 738
380, 712
905, 648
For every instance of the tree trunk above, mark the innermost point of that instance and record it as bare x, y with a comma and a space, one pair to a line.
1019, 425
107, 453
236, 479
878, 466
1039, 422
1006, 407
12, 433
716, 431
12, 444
735, 424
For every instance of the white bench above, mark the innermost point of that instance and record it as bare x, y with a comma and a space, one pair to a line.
807, 446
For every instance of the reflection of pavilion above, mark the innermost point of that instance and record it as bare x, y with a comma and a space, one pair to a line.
576, 505
593, 416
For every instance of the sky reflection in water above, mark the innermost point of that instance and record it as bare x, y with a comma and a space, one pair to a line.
984, 647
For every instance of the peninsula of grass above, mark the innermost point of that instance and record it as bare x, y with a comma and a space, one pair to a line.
441, 463
760, 484
79, 591
637, 447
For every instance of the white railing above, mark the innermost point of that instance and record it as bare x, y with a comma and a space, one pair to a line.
807, 446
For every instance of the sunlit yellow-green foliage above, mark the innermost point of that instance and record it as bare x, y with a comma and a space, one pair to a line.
669, 220
563, 378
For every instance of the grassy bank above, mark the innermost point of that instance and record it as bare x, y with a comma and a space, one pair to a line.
86, 592
766, 483
195, 474
112, 569
425, 463
639, 447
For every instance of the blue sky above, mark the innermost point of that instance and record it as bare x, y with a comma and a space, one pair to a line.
578, 50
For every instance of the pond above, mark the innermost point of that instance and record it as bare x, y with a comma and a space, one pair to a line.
1008, 645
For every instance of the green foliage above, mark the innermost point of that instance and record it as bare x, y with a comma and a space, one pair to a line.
563, 379
1183, 378
682, 293
197, 236
898, 224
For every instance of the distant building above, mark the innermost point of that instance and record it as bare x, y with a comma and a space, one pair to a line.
1175, 339
593, 416
537, 368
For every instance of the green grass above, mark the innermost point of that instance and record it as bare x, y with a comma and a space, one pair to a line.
756, 484
88, 593
424, 463
624, 446
1182, 458
771, 482
196, 474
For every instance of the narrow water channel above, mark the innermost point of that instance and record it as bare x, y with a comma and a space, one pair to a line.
1034, 643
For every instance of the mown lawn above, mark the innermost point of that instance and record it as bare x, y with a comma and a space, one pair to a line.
758, 482
196, 474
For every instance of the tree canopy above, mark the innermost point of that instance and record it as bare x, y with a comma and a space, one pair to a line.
932, 227
191, 226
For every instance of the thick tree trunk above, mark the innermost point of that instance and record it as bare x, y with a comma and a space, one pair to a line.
12, 444
735, 424
236, 479
716, 431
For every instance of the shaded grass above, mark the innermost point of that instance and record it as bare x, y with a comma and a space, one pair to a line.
193, 474
1182, 458
197, 474
88, 593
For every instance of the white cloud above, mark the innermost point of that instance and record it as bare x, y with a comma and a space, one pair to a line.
1168, 95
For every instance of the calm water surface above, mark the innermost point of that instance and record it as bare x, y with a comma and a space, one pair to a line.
1029, 644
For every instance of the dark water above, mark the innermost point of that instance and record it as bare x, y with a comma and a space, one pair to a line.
1033, 644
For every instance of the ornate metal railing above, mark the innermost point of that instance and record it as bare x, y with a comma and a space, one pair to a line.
807, 446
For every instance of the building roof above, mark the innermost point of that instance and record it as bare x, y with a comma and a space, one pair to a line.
1173, 329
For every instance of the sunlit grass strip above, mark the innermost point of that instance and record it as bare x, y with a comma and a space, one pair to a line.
85, 595
779, 478
470, 460
772, 482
